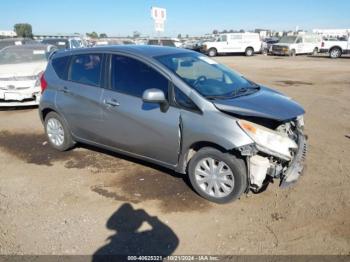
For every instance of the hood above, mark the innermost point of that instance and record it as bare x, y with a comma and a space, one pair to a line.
265, 103
24, 69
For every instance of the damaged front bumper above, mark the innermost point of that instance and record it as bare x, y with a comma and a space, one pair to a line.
295, 169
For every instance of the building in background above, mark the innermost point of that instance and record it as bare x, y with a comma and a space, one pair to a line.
7, 33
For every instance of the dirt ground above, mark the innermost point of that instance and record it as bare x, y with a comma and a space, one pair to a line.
87, 201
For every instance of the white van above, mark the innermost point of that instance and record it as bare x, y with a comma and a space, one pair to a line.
297, 44
248, 43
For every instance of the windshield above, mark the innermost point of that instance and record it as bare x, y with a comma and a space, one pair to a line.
17, 55
209, 78
288, 39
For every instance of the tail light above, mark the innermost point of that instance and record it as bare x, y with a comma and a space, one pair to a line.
43, 82
322, 45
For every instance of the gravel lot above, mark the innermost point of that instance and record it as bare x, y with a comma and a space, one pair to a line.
88, 200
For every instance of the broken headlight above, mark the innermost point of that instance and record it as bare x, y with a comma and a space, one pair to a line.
269, 141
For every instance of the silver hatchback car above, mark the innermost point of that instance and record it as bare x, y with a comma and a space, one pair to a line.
178, 109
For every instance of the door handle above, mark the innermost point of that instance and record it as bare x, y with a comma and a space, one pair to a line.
111, 102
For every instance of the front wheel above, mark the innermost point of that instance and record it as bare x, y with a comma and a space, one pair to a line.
292, 53
212, 52
216, 176
249, 51
57, 132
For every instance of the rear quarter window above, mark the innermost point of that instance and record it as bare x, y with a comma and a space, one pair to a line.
60, 65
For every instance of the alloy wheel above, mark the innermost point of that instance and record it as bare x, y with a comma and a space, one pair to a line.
55, 131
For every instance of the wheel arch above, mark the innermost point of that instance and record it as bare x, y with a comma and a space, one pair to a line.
336, 46
189, 152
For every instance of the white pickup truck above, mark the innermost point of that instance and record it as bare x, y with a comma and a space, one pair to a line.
336, 47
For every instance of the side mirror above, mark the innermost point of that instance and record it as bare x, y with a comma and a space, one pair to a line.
154, 95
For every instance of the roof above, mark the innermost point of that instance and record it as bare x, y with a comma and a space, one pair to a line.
142, 50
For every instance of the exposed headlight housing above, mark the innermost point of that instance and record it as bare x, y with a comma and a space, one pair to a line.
269, 141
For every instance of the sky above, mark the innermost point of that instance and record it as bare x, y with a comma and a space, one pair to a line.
193, 17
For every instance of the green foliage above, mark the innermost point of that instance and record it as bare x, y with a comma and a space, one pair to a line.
92, 35
23, 30
103, 35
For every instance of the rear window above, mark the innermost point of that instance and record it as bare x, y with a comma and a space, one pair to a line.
86, 69
60, 65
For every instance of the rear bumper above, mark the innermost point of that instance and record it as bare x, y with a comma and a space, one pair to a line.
297, 165
18, 98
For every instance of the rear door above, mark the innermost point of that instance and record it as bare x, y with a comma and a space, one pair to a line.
79, 97
131, 125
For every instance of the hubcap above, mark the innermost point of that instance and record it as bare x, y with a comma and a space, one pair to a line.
335, 53
214, 177
55, 131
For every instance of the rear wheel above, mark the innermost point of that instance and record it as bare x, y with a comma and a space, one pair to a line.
217, 176
335, 52
315, 52
57, 132
212, 52
292, 53
249, 51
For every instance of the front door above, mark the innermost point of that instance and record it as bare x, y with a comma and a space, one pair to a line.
131, 125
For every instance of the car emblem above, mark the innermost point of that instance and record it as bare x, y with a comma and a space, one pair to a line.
10, 87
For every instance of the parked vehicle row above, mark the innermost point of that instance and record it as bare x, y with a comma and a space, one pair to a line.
176, 108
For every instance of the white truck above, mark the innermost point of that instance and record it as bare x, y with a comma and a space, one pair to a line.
336, 47
297, 44
247, 43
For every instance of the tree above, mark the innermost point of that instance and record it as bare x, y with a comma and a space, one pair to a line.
23, 30
232, 31
215, 32
225, 31
136, 34
103, 35
179, 36
92, 35
241, 31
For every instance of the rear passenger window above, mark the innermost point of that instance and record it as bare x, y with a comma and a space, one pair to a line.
60, 65
133, 77
86, 69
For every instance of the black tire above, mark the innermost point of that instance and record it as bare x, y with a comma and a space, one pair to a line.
315, 52
237, 166
335, 52
249, 51
292, 53
212, 52
68, 141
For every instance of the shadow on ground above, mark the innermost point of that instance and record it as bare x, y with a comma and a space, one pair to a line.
125, 179
130, 239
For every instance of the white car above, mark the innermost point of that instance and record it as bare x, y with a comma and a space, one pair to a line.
298, 44
336, 48
248, 43
21, 68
